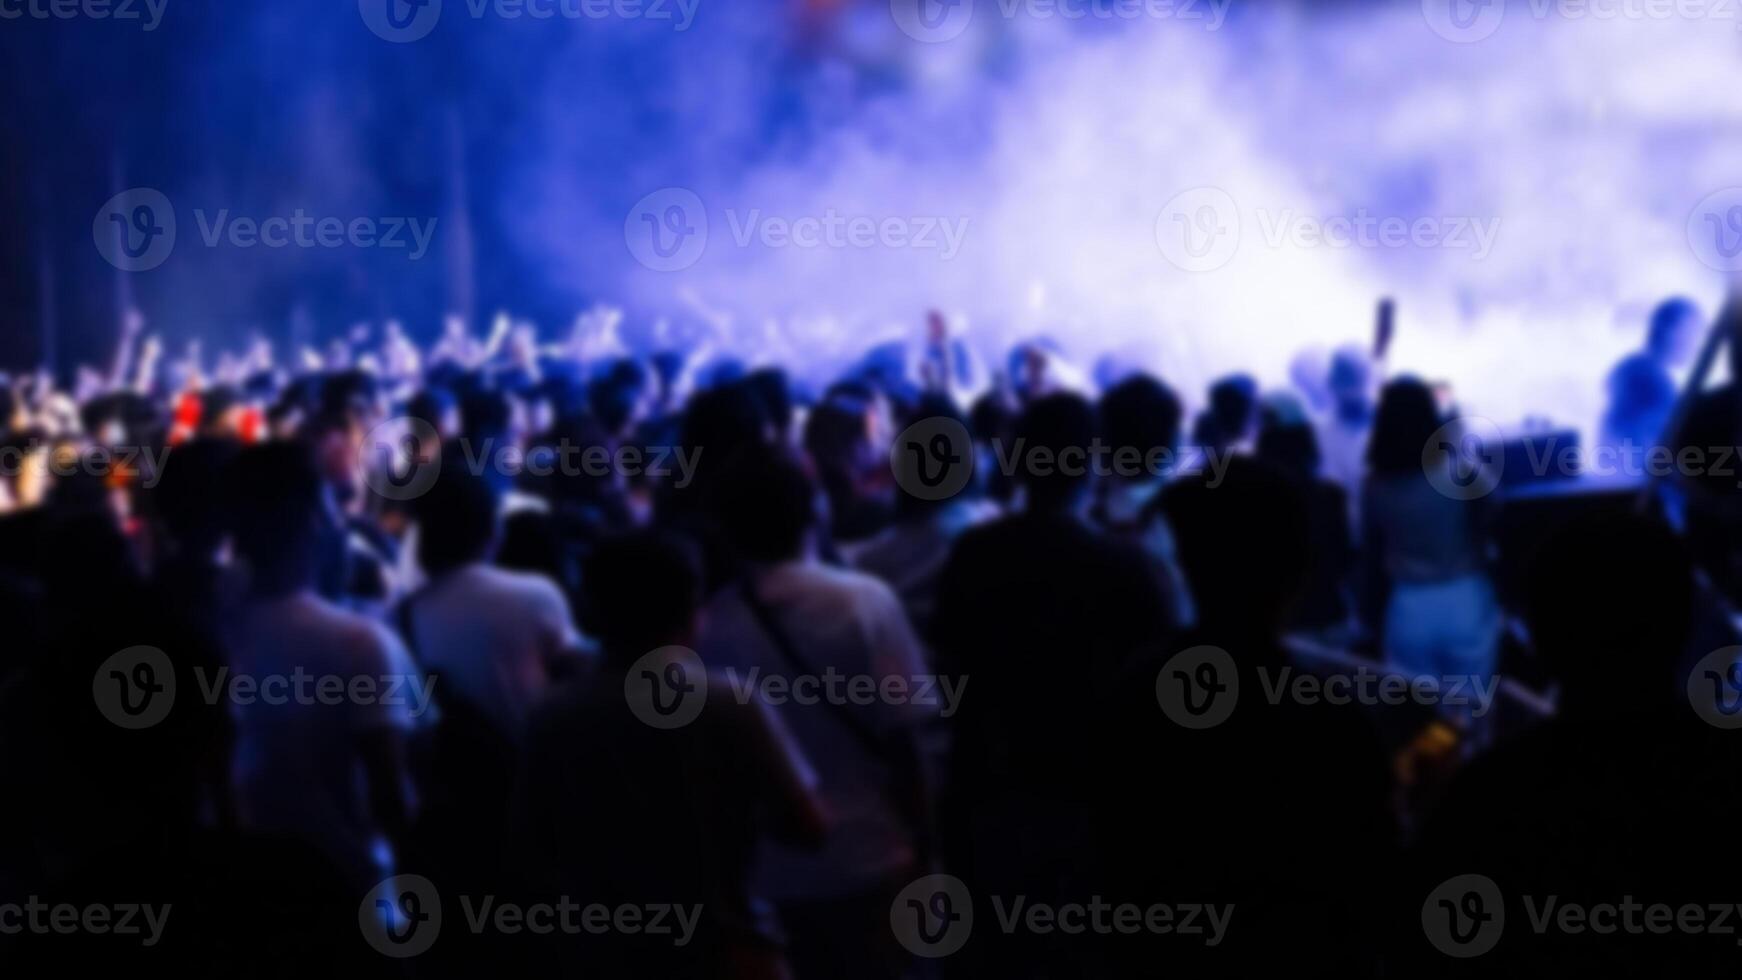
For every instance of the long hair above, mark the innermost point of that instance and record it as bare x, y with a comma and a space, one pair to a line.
1407, 419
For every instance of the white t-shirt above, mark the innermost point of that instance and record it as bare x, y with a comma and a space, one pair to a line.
853, 623
491, 634
308, 680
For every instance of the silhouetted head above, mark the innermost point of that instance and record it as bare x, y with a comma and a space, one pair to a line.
1350, 381
1407, 419
766, 504
1242, 545
190, 498
1608, 601
1061, 426
1286, 438
720, 422
774, 393
641, 592
1140, 413
1674, 332
1233, 402
280, 514
458, 517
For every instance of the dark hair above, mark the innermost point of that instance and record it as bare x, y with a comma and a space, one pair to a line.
766, 504
1407, 418
774, 393
484, 414
349, 392
457, 517
613, 396
1290, 444
190, 498
640, 592
1055, 423
276, 501
431, 406
1667, 317
718, 423
1140, 413
1242, 543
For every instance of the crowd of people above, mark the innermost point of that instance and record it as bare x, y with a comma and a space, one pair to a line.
483, 576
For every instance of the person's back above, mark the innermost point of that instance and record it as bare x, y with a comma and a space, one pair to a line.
1042, 613
492, 635
910, 554
296, 763
830, 622
1280, 808
615, 805
1611, 799
1423, 533
322, 697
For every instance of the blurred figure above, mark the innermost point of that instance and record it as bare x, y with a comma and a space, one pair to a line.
1042, 612
1288, 442
910, 554
1140, 425
1608, 801
1226, 425
792, 617
847, 439
1347, 427
494, 637
330, 774
1425, 546
1642, 388
611, 808
1263, 809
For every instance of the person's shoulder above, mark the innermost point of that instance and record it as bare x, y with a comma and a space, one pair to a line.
502, 585
859, 591
367, 644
